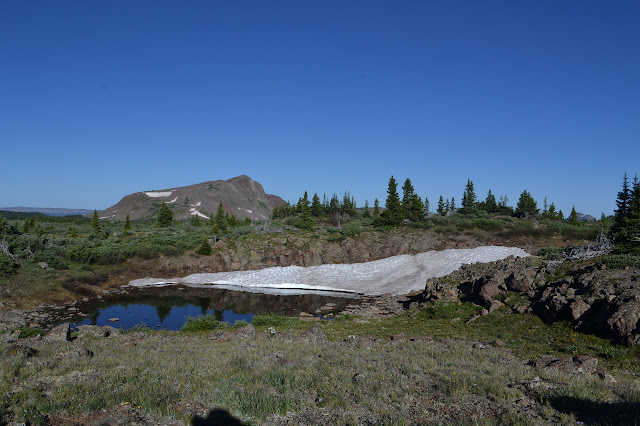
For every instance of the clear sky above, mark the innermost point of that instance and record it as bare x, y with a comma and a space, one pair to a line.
99, 99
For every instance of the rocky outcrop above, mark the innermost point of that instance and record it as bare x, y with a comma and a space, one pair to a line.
593, 298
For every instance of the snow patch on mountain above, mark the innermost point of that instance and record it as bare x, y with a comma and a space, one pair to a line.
159, 194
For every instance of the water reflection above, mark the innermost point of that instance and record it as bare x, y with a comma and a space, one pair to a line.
169, 307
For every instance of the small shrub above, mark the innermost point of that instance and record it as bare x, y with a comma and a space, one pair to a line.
613, 352
142, 328
202, 323
620, 261
550, 253
274, 320
205, 249
7, 265
351, 230
30, 332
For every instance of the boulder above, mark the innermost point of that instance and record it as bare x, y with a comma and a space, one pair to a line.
60, 333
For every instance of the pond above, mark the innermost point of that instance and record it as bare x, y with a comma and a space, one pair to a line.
167, 308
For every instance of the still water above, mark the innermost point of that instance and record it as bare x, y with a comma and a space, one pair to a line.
167, 308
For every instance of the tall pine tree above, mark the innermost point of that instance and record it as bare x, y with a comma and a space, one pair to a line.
393, 208
469, 200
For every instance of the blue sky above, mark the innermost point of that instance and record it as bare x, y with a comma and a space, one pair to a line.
102, 99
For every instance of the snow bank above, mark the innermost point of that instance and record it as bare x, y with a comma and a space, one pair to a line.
158, 194
396, 275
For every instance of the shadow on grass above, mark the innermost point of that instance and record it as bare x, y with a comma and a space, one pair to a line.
217, 417
602, 413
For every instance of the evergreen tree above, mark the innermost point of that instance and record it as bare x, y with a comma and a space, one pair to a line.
604, 221
127, 225
305, 221
527, 206
560, 215
205, 249
490, 204
348, 206
442, 210
334, 204
316, 207
195, 221
376, 208
573, 216
545, 212
232, 220
469, 200
366, 213
552, 214
412, 207
393, 209
452, 206
74, 232
220, 219
96, 229
620, 214
165, 216
427, 207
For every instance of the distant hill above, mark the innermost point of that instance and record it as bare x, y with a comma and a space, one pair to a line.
241, 196
47, 210
585, 217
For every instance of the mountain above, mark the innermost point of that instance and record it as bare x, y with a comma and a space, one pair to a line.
240, 196
47, 210
585, 217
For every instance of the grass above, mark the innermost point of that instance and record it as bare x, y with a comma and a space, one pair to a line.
352, 379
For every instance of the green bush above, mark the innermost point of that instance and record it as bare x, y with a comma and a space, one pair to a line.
550, 253
205, 249
202, 323
488, 224
620, 261
274, 320
351, 230
7, 265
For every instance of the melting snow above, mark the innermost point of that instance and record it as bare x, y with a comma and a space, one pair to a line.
195, 212
248, 211
396, 275
172, 201
158, 194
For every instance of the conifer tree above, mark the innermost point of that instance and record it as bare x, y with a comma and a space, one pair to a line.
96, 229
195, 221
220, 218
393, 209
573, 216
376, 208
127, 225
305, 221
527, 206
490, 204
316, 207
452, 206
561, 215
427, 206
469, 200
366, 213
442, 210
205, 249
552, 214
165, 216
412, 207
334, 204
74, 232
622, 207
